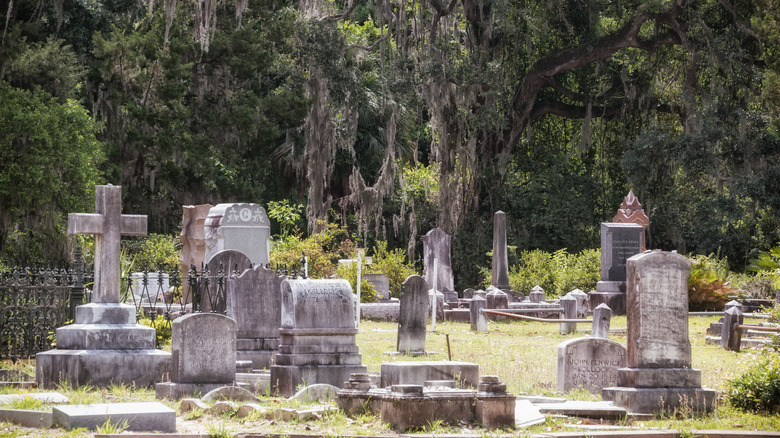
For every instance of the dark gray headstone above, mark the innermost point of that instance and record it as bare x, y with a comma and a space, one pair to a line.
413, 315
381, 284
618, 243
204, 349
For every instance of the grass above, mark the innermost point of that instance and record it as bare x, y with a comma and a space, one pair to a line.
523, 354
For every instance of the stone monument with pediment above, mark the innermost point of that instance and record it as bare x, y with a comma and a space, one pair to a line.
242, 227
105, 345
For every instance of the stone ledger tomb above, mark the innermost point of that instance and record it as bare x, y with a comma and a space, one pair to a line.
204, 355
254, 300
105, 345
618, 243
659, 374
241, 227
317, 336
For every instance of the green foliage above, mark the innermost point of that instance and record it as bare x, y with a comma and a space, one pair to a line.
287, 215
162, 325
709, 287
323, 249
557, 273
349, 272
155, 252
767, 263
110, 427
49, 154
757, 389
392, 263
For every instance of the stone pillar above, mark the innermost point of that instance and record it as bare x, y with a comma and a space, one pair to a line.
602, 316
569, 305
730, 336
477, 317
500, 278
537, 295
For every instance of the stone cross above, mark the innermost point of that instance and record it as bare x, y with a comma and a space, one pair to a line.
108, 224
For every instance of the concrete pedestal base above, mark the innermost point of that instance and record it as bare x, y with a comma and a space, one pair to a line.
286, 378
261, 359
611, 293
653, 400
101, 367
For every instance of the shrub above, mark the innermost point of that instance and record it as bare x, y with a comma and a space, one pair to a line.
708, 284
323, 249
155, 252
392, 263
758, 389
349, 272
557, 273
163, 328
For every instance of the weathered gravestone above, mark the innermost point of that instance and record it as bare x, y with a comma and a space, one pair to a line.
436, 247
221, 267
589, 363
317, 335
618, 243
413, 316
193, 242
105, 345
204, 355
241, 227
537, 294
500, 271
659, 374
381, 284
254, 301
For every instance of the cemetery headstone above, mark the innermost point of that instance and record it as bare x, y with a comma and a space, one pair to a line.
243, 227
468, 293
582, 301
254, 301
436, 246
105, 345
204, 355
658, 375
537, 294
317, 335
569, 305
589, 363
222, 266
381, 284
631, 212
618, 243
500, 267
413, 316
602, 316
193, 242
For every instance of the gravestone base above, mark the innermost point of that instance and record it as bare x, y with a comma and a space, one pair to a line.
652, 400
611, 293
285, 379
104, 346
101, 367
139, 416
260, 351
176, 391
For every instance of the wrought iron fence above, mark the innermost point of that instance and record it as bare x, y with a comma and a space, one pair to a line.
35, 301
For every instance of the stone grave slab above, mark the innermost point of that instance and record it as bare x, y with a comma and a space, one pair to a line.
45, 397
527, 415
466, 374
142, 416
584, 409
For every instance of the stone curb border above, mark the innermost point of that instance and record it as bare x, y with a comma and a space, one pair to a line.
594, 434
